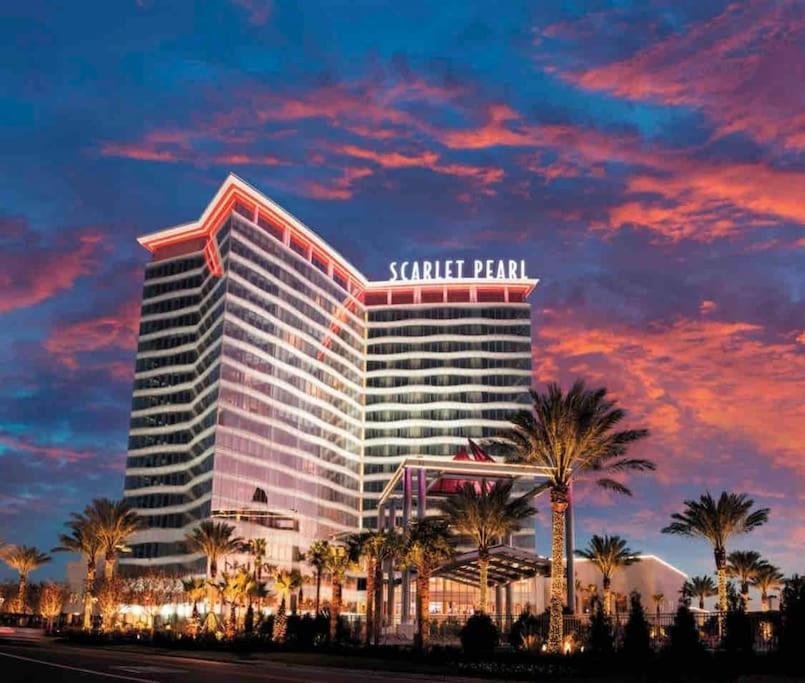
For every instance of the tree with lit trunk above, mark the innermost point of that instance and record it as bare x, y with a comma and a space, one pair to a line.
115, 522
83, 538
340, 559
426, 548
195, 590
258, 548
52, 597
608, 553
213, 540
285, 583
699, 587
716, 521
316, 557
767, 579
486, 514
571, 435
745, 565
24, 559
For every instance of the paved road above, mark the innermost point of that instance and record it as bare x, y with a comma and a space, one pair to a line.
47, 661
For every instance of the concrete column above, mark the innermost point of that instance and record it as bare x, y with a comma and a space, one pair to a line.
421, 494
570, 547
405, 617
508, 621
499, 605
392, 522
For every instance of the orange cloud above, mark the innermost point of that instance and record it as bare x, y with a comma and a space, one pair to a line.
690, 379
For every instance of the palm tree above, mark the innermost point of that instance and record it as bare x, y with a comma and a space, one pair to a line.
427, 547
715, 521
85, 540
700, 587
285, 583
316, 557
213, 539
115, 522
24, 559
608, 553
195, 589
340, 559
487, 515
745, 565
571, 435
258, 548
658, 599
767, 579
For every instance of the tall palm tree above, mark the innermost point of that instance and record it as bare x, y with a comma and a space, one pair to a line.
486, 515
745, 565
427, 547
316, 557
700, 587
213, 540
258, 548
195, 589
340, 559
715, 521
115, 523
387, 548
24, 559
572, 435
285, 583
767, 579
83, 538
608, 553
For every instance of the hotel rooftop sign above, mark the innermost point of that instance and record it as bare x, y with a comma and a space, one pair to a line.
458, 269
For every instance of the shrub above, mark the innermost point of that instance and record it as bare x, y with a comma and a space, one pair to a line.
636, 634
738, 633
307, 631
526, 632
479, 635
792, 615
601, 638
684, 635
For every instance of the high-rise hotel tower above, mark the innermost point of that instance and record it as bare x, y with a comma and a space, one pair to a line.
277, 388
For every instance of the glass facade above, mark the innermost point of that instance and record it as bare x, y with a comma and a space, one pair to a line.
278, 391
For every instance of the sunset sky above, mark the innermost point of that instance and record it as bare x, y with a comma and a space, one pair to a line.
647, 159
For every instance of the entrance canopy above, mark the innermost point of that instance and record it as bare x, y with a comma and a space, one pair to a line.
506, 564
433, 473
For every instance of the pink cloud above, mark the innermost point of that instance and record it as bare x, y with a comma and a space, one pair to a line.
32, 273
116, 330
735, 67
340, 187
58, 454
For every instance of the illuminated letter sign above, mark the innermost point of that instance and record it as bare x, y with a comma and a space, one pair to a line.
453, 269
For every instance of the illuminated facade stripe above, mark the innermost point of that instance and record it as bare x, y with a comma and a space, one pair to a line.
275, 384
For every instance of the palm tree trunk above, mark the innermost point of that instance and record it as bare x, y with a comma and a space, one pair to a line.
109, 567
556, 625
335, 609
721, 571
607, 595
764, 601
370, 600
483, 580
318, 591
701, 602
21, 591
745, 594
422, 610
378, 620
89, 582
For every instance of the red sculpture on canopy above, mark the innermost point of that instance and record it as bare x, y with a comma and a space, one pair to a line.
448, 485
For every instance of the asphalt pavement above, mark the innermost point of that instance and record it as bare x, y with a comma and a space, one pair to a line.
31, 662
